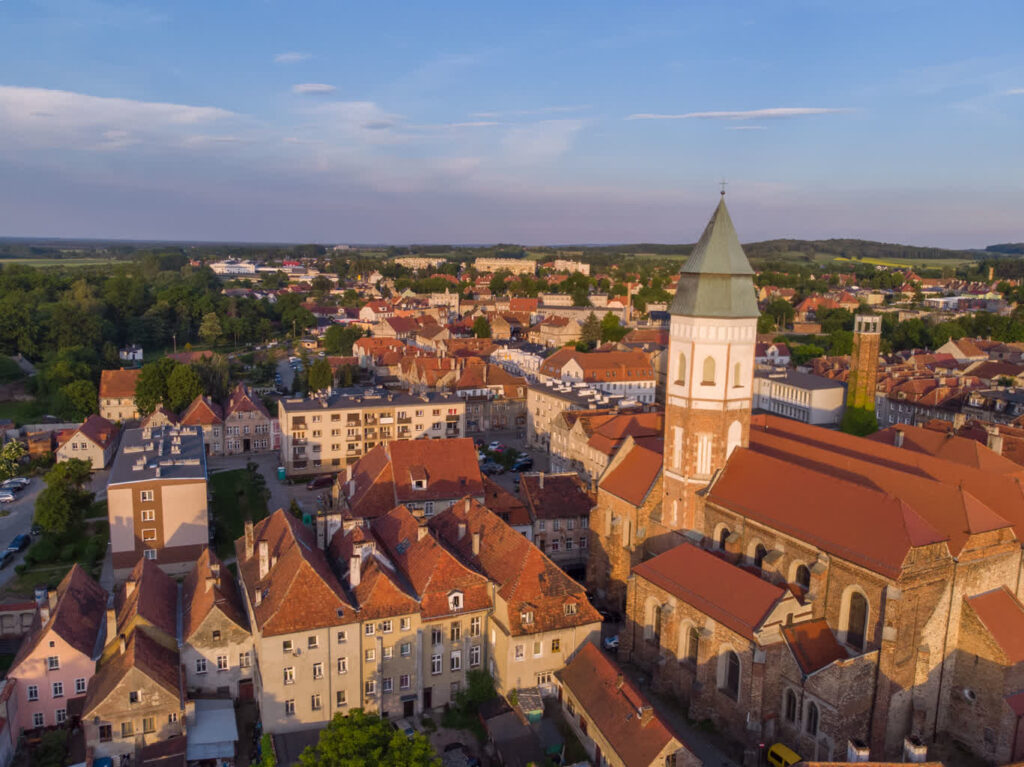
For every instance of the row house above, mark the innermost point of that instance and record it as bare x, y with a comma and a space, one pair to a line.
495, 399
585, 441
555, 332
559, 506
242, 426
323, 434
520, 359
629, 374
94, 441
546, 401
117, 395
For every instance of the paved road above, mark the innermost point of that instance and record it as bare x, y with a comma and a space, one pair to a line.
284, 369
281, 493
17, 520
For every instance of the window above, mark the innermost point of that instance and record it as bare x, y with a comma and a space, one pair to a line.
149, 554
723, 536
370, 687
389, 653
812, 719
200, 665
105, 733
245, 660
568, 544
342, 637
556, 525
216, 636
145, 495
405, 624
790, 706
312, 642
455, 601
369, 629
405, 649
570, 608
692, 645
736, 382
474, 656
857, 621
289, 675
803, 576
555, 544
318, 670
172, 718
556, 645
127, 730
289, 708
148, 515
436, 637
435, 664
526, 616
456, 631
340, 698
544, 677
520, 652
541, 524
456, 660
583, 541
709, 372
403, 682
38, 720
387, 685
33, 692
314, 702
148, 724
538, 648
286, 645
149, 534
730, 674
759, 554
370, 655
133, 696
222, 662
681, 370
474, 626
57, 688
52, 663
342, 665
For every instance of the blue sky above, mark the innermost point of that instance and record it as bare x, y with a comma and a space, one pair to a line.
531, 122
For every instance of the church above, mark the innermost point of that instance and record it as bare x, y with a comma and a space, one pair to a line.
854, 598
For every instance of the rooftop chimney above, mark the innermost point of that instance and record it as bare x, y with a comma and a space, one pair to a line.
914, 750
264, 559
129, 588
959, 419
122, 644
540, 481
467, 505
111, 620
476, 543
646, 714
422, 532
898, 438
462, 530
257, 597
211, 582
619, 680
355, 564
248, 538
857, 751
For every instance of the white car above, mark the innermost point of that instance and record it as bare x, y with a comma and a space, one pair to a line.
18, 483
6, 496
494, 446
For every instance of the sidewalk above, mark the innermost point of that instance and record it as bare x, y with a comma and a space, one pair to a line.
712, 749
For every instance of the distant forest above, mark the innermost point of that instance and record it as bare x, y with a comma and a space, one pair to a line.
1007, 248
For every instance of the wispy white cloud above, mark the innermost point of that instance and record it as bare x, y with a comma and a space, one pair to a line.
749, 114
291, 57
746, 127
540, 141
313, 89
531, 112
1014, 92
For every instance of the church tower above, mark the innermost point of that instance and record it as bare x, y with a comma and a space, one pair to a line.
710, 381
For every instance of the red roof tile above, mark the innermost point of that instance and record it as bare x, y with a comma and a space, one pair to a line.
118, 383
551, 496
633, 478
1003, 616
151, 594
207, 587
202, 411
813, 645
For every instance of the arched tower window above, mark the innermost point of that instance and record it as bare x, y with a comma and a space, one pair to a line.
681, 374
730, 674
812, 719
759, 554
857, 620
803, 576
790, 706
723, 536
692, 645
709, 372
736, 382
656, 633
733, 438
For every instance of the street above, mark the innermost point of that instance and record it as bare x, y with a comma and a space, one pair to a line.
17, 519
284, 369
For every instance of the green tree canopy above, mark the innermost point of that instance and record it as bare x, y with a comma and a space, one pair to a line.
151, 386
210, 329
60, 506
320, 375
611, 328
481, 327
590, 331
366, 740
10, 458
780, 310
859, 421
339, 339
805, 352
183, 386
78, 400
214, 376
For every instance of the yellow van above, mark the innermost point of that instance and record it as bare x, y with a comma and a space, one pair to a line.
782, 756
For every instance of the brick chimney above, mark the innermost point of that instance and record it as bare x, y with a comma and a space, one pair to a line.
264, 548
994, 440
111, 620
540, 481
476, 543
422, 532
129, 588
122, 644
355, 564
646, 715
619, 681
462, 530
248, 538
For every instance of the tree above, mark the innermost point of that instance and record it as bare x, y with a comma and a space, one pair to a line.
765, 324
805, 352
267, 756
151, 386
320, 375
590, 331
214, 376
78, 400
481, 327
611, 328
183, 386
497, 283
210, 329
60, 506
366, 740
780, 310
10, 458
859, 421
339, 339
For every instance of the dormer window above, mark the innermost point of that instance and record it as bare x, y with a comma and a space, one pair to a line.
526, 616
455, 601
570, 608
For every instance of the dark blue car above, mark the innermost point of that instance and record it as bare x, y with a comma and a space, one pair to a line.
19, 543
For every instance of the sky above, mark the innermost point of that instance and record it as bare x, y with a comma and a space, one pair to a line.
526, 122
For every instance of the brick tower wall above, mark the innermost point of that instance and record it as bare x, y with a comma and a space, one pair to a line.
867, 337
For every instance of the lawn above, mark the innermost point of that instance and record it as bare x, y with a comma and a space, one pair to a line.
30, 411
237, 495
51, 556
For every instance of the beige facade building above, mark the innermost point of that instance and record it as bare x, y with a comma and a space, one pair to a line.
324, 434
95, 441
513, 265
156, 499
117, 395
546, 401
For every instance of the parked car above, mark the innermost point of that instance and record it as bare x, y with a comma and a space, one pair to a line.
16, 484
611, 643
490, 467
523, 464
6, 496
325, 480
20, 543
405, 727
495, 447
468, 759
6, 558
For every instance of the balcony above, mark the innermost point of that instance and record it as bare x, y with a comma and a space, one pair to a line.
404, 419
452, 419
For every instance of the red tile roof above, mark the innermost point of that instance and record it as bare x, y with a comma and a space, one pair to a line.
969, 452
143, 654
1003, 616
555, 496
528, 581
611, 432
731, 595
504, 504
118, 383
243, 401
151, 594
613, 704
633, 478
813, 645
96, 428
202, 411
381, 592
207, 587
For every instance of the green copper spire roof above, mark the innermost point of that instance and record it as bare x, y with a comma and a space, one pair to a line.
716, 279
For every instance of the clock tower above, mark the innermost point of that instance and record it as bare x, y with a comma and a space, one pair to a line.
709, 387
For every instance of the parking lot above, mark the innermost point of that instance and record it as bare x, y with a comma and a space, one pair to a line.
17, 519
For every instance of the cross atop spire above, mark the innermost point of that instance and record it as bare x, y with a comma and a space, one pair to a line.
723, 182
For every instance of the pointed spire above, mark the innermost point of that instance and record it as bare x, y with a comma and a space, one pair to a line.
716, 280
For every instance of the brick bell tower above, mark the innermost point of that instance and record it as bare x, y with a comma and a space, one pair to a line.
709, 387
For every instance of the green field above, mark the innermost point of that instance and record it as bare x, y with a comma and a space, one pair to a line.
900, 263
44, 262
